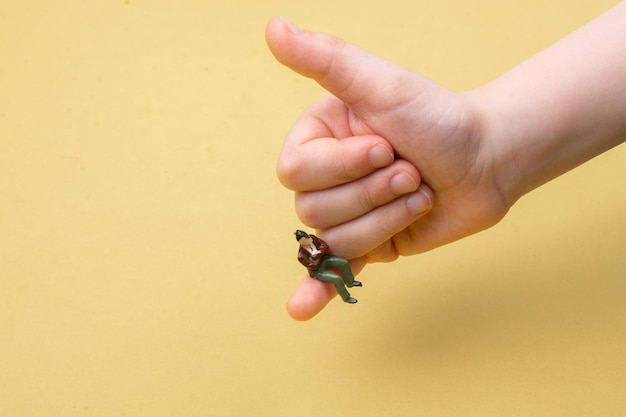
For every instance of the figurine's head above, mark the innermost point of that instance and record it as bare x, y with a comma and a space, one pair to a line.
303, 238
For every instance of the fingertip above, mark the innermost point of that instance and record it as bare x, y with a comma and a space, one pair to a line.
271, 27
279, 36
420, 202
428, 193
273, 33
298, 313
403, 183
380, 156
309, 55
405, 178
279, 24
292, 28
309, 299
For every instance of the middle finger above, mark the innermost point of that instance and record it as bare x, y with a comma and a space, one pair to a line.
326, 208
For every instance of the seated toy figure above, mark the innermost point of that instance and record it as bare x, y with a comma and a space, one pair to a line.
314, 255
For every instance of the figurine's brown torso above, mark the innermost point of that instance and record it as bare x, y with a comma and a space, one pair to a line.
310, 261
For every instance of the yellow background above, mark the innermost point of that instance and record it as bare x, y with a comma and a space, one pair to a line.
146, 247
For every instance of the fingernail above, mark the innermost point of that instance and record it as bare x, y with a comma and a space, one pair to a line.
380, 156
403, 183
291, 27
419, 203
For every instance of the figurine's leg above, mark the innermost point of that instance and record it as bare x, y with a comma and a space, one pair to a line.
346, 271
323, 275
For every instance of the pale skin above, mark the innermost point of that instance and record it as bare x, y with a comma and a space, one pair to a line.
407, 165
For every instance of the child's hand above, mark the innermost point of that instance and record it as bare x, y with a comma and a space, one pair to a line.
477, 152
338, 158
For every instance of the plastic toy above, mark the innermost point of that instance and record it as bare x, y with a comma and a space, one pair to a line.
313, 254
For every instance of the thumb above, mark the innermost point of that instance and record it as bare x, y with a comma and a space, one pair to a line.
345, 70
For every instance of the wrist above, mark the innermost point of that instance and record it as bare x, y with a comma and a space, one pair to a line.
499, 141
558, 109
532, 138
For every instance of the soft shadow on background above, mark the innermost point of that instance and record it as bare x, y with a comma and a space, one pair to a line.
146, 247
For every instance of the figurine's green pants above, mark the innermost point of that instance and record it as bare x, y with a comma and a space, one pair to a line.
338, 281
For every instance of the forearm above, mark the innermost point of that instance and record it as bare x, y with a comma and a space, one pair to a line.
558, 109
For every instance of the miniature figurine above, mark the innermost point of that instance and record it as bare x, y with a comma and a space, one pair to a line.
313, 254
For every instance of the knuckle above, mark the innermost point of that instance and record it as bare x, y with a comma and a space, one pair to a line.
367, 198
288, 171
373, 192
343, 170
307, 210
386, 252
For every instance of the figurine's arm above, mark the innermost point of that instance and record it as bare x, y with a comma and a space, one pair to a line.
306, 259
320, 244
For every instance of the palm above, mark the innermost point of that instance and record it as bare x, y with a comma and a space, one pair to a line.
440, 136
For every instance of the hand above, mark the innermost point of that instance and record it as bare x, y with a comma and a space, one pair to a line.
477, 152
339, 158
